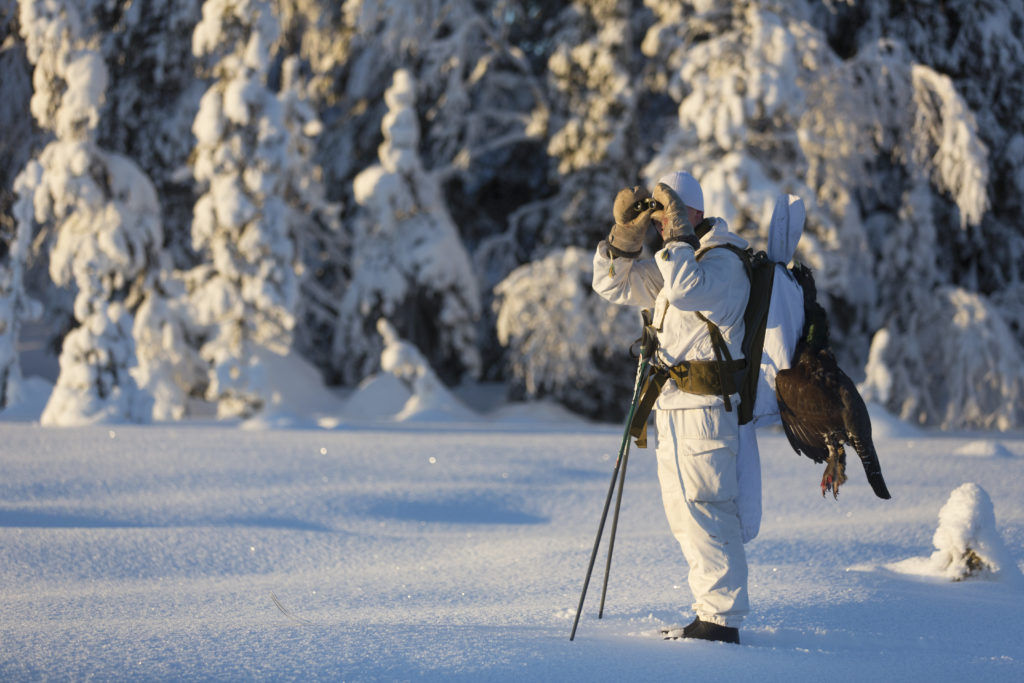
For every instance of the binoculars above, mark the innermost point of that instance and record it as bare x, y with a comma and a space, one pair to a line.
647, 204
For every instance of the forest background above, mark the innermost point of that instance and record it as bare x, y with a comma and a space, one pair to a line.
189, 185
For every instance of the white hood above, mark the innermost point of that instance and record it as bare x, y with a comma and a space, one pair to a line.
786, 227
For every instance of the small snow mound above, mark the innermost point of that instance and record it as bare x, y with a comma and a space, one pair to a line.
296, 397
534, 412
407, 389
886, 425
434, 403
967, 543
378, 397
26, 400
984, 449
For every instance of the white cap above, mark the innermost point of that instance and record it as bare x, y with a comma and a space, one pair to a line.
687, 187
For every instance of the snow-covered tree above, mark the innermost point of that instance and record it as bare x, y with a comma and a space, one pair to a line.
321, 243
485, 118
600, 125
738, 75
942, 209
919, 180
886, 153
151, 101
16, 131
409, 264
978, 45
15, 235
951, 362
169, 366
900, 129
15, 304
245, 293
594, 139
366, 41
102, 211
564, 342
480, 104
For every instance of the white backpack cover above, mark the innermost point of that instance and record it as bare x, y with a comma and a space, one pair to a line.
786, 310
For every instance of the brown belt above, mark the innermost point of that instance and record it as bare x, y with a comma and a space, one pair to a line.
704, 377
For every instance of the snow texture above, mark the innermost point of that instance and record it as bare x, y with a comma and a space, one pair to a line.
439, 550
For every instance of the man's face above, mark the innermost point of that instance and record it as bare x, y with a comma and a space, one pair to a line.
693, 215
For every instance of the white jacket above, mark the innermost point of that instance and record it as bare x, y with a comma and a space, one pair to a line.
674, 284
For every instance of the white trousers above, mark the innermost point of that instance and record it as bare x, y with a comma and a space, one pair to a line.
697, 451
748, 464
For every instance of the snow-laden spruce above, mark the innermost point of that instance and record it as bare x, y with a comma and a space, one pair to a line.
407, 258
558, 336
104, 217
595, 142
245, 293
15, 304
767, 107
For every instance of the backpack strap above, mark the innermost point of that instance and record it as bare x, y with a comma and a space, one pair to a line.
761, 274
755, 320
726, 365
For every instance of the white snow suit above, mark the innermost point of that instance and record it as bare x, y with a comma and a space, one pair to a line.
698, 440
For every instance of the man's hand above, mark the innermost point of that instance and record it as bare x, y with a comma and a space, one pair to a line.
674, 220
632, 217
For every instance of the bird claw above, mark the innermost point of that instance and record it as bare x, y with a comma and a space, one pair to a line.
827, 484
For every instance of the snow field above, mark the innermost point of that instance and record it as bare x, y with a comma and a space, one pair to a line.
457, 552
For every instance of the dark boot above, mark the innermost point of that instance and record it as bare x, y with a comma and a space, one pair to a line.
706, 630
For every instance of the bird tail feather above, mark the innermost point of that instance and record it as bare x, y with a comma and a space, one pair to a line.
872, 468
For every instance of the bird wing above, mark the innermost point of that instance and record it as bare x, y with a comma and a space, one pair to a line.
807, 413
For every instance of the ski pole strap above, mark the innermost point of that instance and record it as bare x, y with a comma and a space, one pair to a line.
647, 344
652, 388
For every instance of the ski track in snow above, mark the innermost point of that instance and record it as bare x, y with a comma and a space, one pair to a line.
458, 552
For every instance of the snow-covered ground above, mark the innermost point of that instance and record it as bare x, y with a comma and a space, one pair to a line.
453, 546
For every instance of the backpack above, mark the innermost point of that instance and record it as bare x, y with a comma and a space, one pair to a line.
761, 273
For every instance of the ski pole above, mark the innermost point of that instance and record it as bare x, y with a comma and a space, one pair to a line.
615, 526
646, 349
648, 344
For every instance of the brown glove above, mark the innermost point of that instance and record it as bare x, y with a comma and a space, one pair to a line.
632, 211
675, 222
